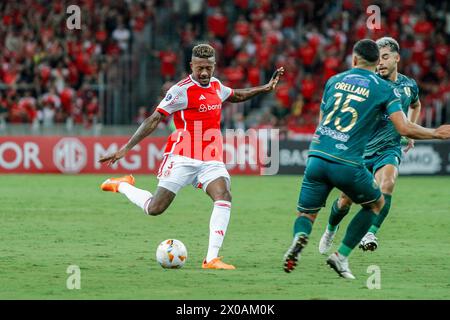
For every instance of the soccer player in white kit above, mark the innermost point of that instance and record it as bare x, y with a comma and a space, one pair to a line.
193, 154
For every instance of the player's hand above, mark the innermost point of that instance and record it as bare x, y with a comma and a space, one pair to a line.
409, 146
275, 78
443, 132
110, 159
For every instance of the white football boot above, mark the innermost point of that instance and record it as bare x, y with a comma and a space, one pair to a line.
326, 241
369, 242
339, 264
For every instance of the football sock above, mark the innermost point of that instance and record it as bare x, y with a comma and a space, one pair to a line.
218, 227
356, 230
138, 196
383, 214
336, 216
302, 225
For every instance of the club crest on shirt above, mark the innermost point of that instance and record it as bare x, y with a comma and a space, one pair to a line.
408, 91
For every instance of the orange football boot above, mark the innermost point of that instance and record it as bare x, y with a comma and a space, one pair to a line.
217, 263
112, 184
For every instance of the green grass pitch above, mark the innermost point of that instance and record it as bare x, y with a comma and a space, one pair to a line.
49, 222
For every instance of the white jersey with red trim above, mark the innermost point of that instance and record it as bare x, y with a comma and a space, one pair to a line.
196, 113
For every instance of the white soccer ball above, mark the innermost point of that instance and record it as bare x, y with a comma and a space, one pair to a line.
171, 254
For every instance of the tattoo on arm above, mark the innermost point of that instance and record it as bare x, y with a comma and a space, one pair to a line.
145, 129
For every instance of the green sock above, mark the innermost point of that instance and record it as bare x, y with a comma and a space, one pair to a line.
302, 225
336, 216
356, 230
382, 215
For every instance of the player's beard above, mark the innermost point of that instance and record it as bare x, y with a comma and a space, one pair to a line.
386, 73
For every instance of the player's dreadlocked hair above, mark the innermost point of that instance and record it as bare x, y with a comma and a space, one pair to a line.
368, 50
388, 42
203, 51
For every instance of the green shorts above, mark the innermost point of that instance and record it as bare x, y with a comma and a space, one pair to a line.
321, 176
382, 158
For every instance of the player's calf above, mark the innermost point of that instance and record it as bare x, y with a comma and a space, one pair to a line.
159, 202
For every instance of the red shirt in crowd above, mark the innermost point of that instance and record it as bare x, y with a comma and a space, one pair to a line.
308, 88
66, 96
282, 95
330, 66
423, 27
307, 54
254, 76
168, 63
441, 53
235, 75
242, 28
217, 24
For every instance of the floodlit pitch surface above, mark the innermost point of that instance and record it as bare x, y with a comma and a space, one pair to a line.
49, 222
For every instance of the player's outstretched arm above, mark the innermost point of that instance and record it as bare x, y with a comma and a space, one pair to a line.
145, 129
414, 131
248, 93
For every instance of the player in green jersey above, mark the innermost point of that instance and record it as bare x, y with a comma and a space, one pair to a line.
352, 104
383, 152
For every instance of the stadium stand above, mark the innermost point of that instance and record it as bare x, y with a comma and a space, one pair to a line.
117, 67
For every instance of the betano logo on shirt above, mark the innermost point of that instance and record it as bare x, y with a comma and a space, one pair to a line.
208, 107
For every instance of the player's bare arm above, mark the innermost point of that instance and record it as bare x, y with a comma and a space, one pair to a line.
413, 116
144, 130
414, 131
248, 93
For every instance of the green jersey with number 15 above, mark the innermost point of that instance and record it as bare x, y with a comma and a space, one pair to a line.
353, 103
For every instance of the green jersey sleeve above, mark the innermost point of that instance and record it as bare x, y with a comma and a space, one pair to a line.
325, 96
393, 103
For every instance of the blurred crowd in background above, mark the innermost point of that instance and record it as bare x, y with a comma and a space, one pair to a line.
49, 74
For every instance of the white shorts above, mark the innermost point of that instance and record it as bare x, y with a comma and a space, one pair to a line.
176, 172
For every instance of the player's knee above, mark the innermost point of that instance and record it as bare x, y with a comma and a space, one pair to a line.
344, 203
310, 216
375, 206
387, 185
224, 195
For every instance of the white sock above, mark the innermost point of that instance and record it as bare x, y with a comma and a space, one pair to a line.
139, 197
218, 227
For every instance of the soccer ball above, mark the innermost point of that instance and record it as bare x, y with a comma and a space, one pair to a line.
171, 254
